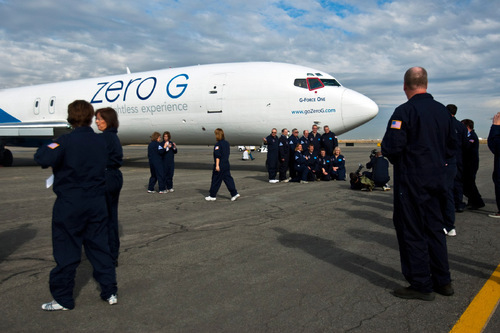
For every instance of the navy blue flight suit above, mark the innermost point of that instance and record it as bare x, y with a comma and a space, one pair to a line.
272, 156
293, 141
284, 156
329, 142
418, 140
339, 162
300, 166
221, 152
494, 145
458, 185
80, 216
325, 163
312, 165
155, 156
380, 170
114, 183
305, 143
471, 165
316, 141
168, 164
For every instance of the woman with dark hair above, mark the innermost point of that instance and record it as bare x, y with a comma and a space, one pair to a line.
155, 157
168, 160
221, 170
79, 217
106, 120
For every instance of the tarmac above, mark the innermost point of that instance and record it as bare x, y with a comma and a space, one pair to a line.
284, 257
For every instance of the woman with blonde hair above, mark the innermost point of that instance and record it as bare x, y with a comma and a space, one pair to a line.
221, 170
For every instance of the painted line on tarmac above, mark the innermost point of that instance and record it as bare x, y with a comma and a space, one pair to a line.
478, 313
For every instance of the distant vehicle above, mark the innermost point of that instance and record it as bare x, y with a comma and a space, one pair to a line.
242, 148
262, 149
245, 99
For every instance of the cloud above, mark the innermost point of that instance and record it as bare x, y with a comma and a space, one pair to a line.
366, 45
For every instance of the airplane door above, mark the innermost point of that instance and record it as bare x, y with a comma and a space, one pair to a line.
215, 93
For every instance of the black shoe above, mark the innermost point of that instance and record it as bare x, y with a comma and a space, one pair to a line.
446, 290
476, 207
460, 210
410, 293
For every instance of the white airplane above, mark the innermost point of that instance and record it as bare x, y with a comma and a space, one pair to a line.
244, 99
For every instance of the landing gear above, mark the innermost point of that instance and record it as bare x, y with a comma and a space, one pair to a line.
6, 158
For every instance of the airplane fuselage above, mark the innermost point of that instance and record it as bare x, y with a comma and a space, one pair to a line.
245, 99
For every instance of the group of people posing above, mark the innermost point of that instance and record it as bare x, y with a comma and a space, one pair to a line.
313, 156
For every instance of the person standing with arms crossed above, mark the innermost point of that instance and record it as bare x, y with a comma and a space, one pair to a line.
272, 143
418, 139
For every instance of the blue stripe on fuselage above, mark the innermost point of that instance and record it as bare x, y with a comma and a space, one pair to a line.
7, 118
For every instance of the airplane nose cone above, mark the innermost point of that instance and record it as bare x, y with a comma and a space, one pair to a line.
357, 109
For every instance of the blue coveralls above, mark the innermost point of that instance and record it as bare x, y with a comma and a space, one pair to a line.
316, 141
338, 161
272, 156
458, 185
300, 165
221, 152
305, 143
80, 216
312, 165
380, 170
114, 183
494, 145
471, 165
284, 156
325, 163
169, 165
417, 142
293, 141
155, 156
329, 142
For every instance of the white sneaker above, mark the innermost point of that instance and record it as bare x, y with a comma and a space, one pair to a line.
53, 306
209, 198
171, 190
235, 197
113, 299
285, 181
304, 182
163, 192
149, 191
386, 187
273, 181
452, 233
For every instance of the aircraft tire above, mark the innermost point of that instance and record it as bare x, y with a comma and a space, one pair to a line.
7, 158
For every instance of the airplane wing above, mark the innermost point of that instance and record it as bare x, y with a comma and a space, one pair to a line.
32, 134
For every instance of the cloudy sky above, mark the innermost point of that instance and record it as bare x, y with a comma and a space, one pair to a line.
366, 44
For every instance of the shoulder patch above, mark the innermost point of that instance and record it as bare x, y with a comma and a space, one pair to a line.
53, 145
216, 148
396, 124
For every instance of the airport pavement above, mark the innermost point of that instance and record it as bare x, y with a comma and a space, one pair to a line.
314, 257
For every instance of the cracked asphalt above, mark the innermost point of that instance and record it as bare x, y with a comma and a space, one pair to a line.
314, 257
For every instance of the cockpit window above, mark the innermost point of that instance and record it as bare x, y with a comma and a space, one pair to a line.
330, 83
314, 83
300, 83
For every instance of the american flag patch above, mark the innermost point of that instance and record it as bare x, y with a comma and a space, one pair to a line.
396, 124
53, 145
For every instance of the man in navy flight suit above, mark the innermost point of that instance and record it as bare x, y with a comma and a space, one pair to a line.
80, 216
418, 140
329, 141
272, 155
284, 155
